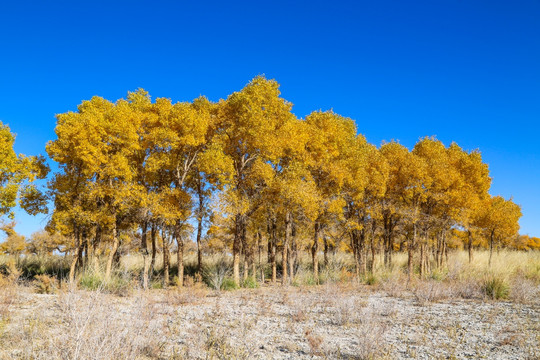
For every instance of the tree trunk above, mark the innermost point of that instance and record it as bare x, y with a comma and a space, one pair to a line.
199, 224
470, 247
260, 246
199, 254
166, 259
412, 245
75, 258
236, 248
95, 243
284, 279
85, 246
314, 251
180, 260
153, 233
115, 244
145, 254
246, 250
293, 252
422, 262
273, 249
325, 250
490, 248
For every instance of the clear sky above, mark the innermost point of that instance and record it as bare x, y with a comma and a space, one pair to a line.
465, 71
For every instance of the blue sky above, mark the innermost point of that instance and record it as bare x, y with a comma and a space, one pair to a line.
465, 71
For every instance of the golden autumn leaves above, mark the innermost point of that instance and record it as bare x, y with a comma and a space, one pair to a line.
137, 165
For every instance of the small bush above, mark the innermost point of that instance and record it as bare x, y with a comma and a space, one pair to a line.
44, 284
523, 290
215, 274
90, 281
371, 279
116, 285
495, 288
229, 284
438, 275
250, 283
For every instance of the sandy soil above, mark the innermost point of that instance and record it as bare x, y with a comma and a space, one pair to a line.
266, 323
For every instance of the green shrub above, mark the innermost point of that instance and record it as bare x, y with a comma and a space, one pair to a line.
228, 284
495, 287
91, 281
116, 285
250, 283
371, 279
438, 275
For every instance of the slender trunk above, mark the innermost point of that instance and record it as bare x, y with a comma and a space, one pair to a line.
200, 224
293, 252
75, 258
412, 245
115, 244
85, 246
314, 251
95, 243
260, 247
145, 254
285, 247
354, 246
490, 248
236, 248
325, 249
246, 266
153, 233
246, 250
273, 249
199, 254
166, 259
372, 258
469, 245
180, 260
253, 264
360, 249
422, 262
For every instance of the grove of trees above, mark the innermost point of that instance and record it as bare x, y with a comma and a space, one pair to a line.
246, 176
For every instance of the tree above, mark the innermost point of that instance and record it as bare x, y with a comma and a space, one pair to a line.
499, 219
332, 141
248, 133
17, 176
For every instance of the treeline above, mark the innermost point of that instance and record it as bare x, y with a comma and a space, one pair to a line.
246, 174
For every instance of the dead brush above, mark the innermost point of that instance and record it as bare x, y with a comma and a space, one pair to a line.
8, 296
92, 327
314, 341
370, 336
470, 288
45, 284
186, 295
431, 291
523, 290
395, 286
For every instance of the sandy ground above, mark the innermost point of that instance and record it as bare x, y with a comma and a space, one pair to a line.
329, 321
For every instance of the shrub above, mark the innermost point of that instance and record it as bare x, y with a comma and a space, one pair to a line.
523, 290
228, 284
118, 285
438, 275
371, 279
215, 274
44, 284
250, 283
90, 281
495, 287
